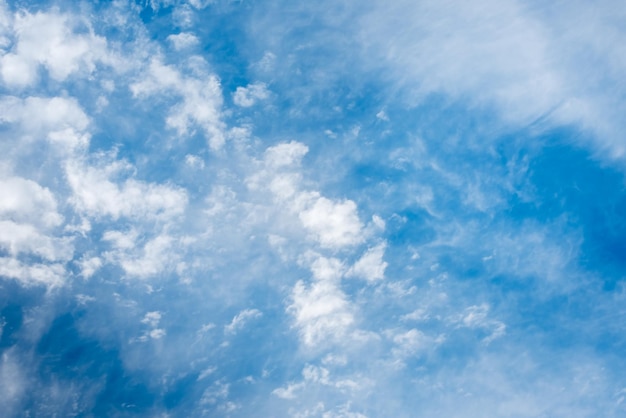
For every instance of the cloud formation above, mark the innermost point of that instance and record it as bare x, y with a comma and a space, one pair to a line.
354, 209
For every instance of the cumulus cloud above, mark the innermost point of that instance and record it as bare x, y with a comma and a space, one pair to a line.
183, 40
53, 41
97, 194
156, 256
371, 265
23, 238
59, 120
333, 224
24, 200
29, 222
152, 319
51, 275
285, 154
321, 312
248, 96
200, 94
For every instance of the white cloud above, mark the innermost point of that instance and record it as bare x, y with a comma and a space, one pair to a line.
13, 379
343, 412
525, 61
370, 266
194, 161
321, 312
285, 154
413, 343
201, 4
382, 116
152, 319
24, 238
97, 194
327, 268
28, 219
51, 275
121, 240
26, 201
59, 120
240, 320
53, 41
316, 374
183, 40
543, 251
248, 96
492, 52
206, 373
266, 63
201, 98
333, 224
157, 333
288, 392
420, 314
216, 392
477, 316
156, 256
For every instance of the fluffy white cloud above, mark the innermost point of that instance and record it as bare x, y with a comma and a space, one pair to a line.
54, 41
142, 257
156, 256
285, 154
89, 265
321, 312
201, 98
26, 201
371, 265
24, 238
327, 268
333, 224
97, 193
152, 319
248, 96
50, 275
183, 40
59, 120
28, 222
289, 391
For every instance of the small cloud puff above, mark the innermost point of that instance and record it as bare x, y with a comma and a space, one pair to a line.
370, 266
183, 40
248, 96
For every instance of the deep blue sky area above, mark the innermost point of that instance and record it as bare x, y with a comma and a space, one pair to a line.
326, 209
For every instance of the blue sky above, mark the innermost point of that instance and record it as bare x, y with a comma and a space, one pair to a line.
334, 209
